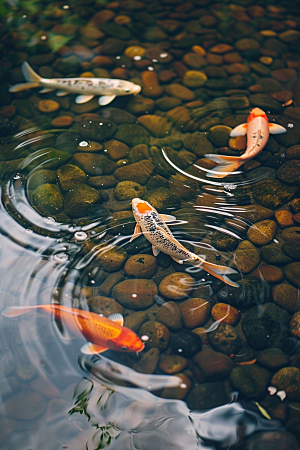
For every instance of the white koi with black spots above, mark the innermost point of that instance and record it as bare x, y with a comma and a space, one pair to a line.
87, 88
153, 226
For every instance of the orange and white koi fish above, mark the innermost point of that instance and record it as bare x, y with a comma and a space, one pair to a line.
102, 333
107, 88
257, 129
153, 226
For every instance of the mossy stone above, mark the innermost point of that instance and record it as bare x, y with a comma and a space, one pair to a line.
79, 199
111, 260
272, 193
251, 381
162, 199
47, 199
132, 134
41, 177
128, 190
251, 291
96, 129
70, 175
219, 135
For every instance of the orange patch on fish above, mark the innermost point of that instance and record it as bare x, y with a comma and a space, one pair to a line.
143, 208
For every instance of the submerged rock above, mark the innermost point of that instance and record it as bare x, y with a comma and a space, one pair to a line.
250, 380
272, 193
135, 294
47, 199
79, 199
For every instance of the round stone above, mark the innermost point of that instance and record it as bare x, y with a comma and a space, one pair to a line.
135, 294
250, 380
148, 362
171, 364
225, 313
271, 274
292, 247
79, 199
170, 315
284, 218
47, 199
179, 91
195, 312
251, 291
194, 79
186, 343
141, 266
155, 334
295, 325
246, 257
70, 175
219, 135
102, 182
162, 198
289, 172
104, 305
127, 190
225, 339
48, 106
262, 233
292, 273
25, 405
273, 358
139, 172
112, 259
177, 286
205, 396
116, 149
213, 365
288, 380
135, 320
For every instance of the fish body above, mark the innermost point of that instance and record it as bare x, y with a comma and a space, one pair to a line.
153, 226
87, 88
102, 333
257, 129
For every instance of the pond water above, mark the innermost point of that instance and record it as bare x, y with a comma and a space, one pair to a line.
215, 356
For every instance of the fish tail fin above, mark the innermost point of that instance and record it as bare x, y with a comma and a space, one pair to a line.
14, 311
227, 165
29, 74
23, 87
219, 272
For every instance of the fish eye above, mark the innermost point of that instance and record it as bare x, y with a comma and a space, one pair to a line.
124, 347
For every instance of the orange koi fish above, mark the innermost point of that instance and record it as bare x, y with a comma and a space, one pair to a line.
257, 129
155, 229
102, 333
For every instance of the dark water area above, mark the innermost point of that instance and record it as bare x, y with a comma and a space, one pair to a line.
220, 367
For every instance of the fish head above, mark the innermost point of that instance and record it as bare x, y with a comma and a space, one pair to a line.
126, 88
140, 208
127, 341
257, 112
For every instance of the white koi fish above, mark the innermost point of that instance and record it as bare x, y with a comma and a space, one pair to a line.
107, 88
153, 226
257, 129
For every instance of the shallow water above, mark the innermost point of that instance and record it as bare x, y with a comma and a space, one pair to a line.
221, 366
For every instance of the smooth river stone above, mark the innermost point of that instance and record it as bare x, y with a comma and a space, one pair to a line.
246, 257
157, 333
287, 297
177, 286
170, 315
135, 294
141, 266
158, 126
25, 405
289, 172
79, 199
70, 175
250, 380
262, 233
47, 199
272, 193
195, 312
179, 91
104, 305
139, 172
94, 164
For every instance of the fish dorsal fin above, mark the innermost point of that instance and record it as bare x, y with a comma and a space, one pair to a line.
117, 318
106, 99
240, 130
83, 98
155, 250
61, 93
45, 90
29, 74
167, 217
274, 128
93, 349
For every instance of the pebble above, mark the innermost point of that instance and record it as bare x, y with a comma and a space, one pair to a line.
94, 164
79, 199
141, 266
246, 257
157, 126
111, 259
177, 286
219, 135
48, 106
273, 358
288, 380
292, 273
273, 193
284, 218
195, 312
289, 172
271, 274
116, 149
148, 362
69, 175
47, 199
102, 182
273, 254
186, 343
251, 291
225, 313
225, 339
295, 324
207, 396
277, 440
139, 172
213, 365
128, 190
25, 405
179, 91
262, 233
172, 364
135, 320
250, 380
104, 305
162, 199
62, 121
266, 326
157, 333
170, 315
194, 79
135, 294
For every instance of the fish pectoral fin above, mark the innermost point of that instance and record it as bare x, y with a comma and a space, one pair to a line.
240, 130
179, 261
167, 217
106, 99
274, 128
155, 250
61, 93
137, 232
93, 349
83, 99
45, 90
117, 318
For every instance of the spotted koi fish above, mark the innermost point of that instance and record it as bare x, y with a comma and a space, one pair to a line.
154, 228
257, 129
102, 333
107, 88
